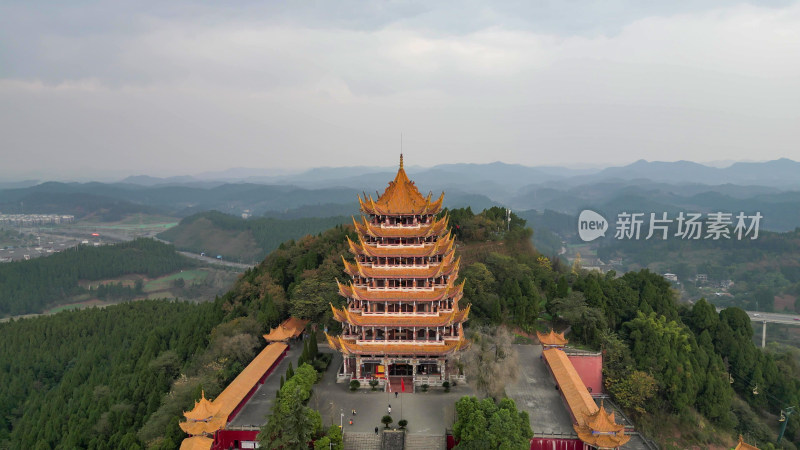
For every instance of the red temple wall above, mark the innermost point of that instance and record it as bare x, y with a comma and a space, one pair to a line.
254, 388
225, 439
556, 444
590, 369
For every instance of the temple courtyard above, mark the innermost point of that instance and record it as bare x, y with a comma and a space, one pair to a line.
428, 413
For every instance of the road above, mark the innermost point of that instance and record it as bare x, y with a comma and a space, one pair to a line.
759, 316
210, 260
786, 319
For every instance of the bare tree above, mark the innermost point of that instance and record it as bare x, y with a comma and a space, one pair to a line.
491, 361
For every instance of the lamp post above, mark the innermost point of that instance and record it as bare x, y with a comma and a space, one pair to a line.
341, 419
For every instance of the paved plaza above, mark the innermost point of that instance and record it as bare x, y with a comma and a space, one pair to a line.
429, 413
535, 392
258, 407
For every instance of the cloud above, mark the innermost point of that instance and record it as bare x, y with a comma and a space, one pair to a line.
180, 91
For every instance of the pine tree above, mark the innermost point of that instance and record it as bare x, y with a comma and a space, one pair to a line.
313, 351
289, 372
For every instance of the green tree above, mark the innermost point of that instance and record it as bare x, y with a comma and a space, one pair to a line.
482, 424
634, 391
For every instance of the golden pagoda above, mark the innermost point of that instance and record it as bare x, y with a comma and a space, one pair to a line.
552, 339
742, 445
600, 430
402, 316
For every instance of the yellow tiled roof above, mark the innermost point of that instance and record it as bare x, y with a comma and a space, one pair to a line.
290, 328
742, 445
447, 266
552, 338
579, 400
435, 228
197, 443
203, 409
442, 319
450, 291
594, 425
442, 246
235, 392
603, 441
603, 421
401, 197
202, 427
348, 347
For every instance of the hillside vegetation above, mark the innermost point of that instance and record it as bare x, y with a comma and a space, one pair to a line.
235, 238
665, 363
30, 286
760, 269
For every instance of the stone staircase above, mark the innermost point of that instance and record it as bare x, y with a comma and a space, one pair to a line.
396, 386
361, 441
393, 440
425, 442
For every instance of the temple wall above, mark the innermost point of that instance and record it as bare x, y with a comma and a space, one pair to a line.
590, 369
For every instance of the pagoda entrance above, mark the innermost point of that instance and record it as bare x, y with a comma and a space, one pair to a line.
401, 370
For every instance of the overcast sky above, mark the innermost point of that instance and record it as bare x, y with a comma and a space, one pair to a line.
174, 87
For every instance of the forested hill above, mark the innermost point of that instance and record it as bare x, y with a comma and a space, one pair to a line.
759, 268
667, 365
30, 286
234, 238
91, 378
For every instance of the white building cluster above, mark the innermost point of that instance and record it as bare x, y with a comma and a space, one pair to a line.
26, 220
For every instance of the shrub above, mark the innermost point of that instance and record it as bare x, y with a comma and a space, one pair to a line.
425, 387
386, 420
373, 383
446, 386
354, 384
403, 423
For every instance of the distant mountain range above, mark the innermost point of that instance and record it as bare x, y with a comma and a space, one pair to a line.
780, 173
772, 187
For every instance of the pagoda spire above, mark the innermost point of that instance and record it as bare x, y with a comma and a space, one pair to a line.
401, 160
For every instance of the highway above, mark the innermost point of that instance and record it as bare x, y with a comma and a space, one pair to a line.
220, 262
786, 319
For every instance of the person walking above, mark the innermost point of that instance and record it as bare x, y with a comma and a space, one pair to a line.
395, 394
390, 409
376, 430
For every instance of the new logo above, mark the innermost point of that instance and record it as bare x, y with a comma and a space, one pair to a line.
591, 225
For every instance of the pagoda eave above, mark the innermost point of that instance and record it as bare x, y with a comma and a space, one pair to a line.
348, 347
382, 320
402, 295
446, 267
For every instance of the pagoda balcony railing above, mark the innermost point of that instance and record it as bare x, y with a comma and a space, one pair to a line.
411, 227
399, 341
406, 245
403, 314
409, 289
399, 266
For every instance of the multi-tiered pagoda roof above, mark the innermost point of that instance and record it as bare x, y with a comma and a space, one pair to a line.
402, 299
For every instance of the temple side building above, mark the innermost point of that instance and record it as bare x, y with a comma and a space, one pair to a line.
402, 314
